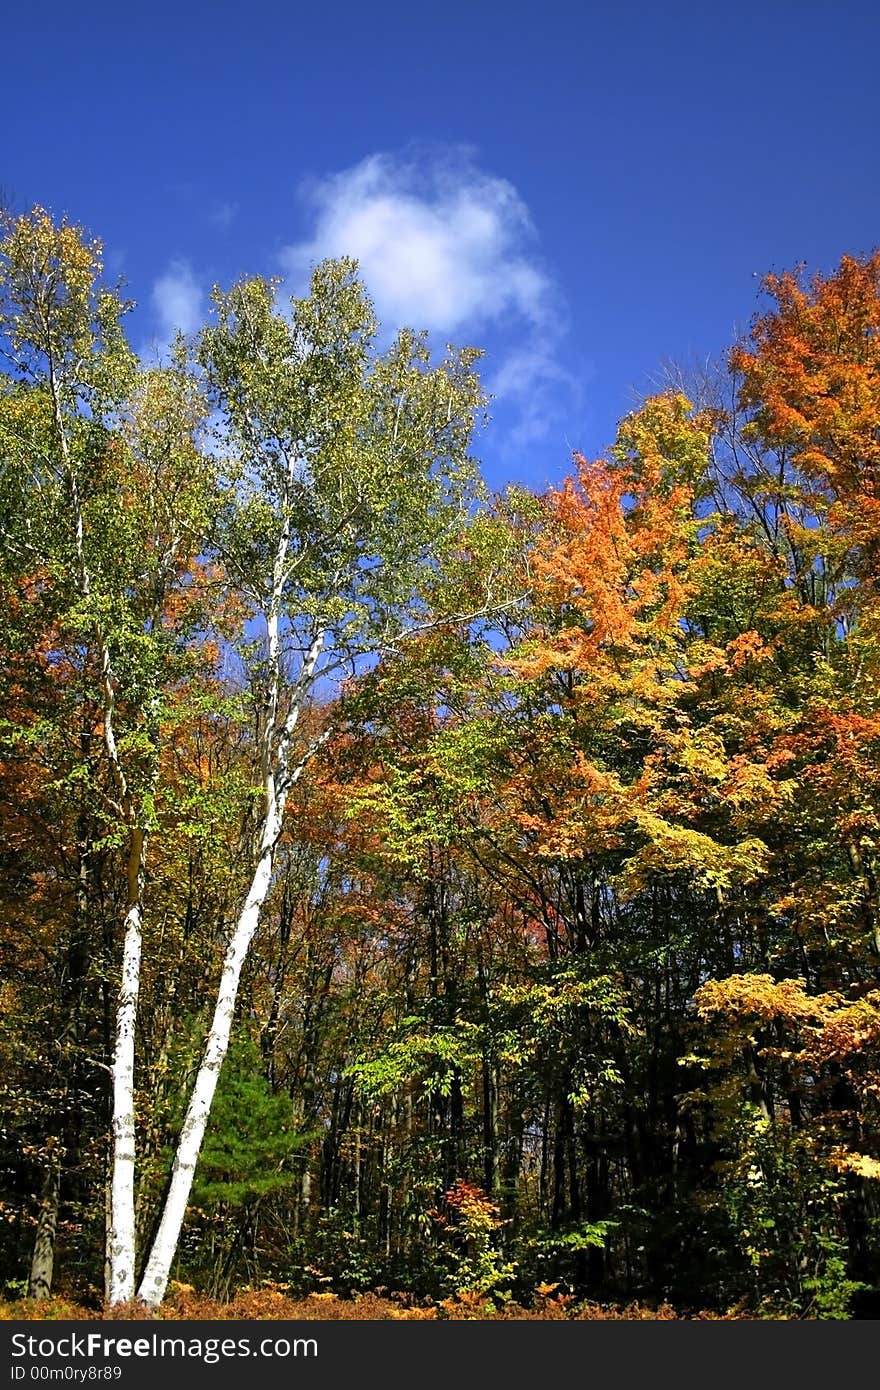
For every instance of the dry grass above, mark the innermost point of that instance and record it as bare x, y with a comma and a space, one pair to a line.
271, 1303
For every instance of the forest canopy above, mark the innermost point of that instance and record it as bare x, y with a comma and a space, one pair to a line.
404, 887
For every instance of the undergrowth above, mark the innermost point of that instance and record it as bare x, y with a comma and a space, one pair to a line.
271, 1302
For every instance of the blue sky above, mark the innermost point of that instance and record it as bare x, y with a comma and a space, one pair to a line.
585, 190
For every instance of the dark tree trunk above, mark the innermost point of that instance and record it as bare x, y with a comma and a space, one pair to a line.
43, 1258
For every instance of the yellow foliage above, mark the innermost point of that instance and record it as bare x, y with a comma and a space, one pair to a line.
862, 1165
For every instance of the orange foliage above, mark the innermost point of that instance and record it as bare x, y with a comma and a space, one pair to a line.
271, 1304
812, 377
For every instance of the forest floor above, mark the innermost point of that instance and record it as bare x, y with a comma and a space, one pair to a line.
273, 1304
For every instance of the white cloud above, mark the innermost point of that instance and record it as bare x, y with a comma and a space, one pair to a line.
178, 301
443, 245
533, 378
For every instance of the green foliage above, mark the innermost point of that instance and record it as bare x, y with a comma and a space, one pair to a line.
339, 1257
546, 1255
253, 1139
784, 1210
433, 1059
358, 459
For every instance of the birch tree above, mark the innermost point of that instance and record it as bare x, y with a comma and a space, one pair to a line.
107, 498
351, 482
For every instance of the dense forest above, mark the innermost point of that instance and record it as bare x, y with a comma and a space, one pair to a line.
408, 888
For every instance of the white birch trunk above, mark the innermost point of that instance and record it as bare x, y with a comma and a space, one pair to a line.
121, 1242
121, 1236
156, 1274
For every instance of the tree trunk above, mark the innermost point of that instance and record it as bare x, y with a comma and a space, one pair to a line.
121, 1242
43, 1259
158, 1269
